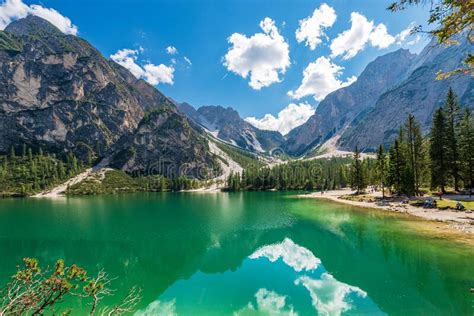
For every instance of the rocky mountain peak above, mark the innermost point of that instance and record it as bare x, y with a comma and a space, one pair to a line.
32, 25
382, 66
227, 125
215, 113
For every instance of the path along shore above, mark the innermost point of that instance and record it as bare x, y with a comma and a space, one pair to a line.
459, 220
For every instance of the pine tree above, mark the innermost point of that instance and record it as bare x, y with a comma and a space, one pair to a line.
89, 158
382, 168
414, 147
396, 167
358, 181
23, 150
466, 149
452, 113
438, 151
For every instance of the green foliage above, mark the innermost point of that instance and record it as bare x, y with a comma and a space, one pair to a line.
325, 174
243, 158
452, 113
408, 162
10, 43
466, 149
358, 177
117, 181
28, 173
438, 151
382, 167
452, 141
415, 155
397, 164
35, 291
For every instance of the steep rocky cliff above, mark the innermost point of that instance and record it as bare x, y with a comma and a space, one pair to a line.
339, 109
165, 143
419, 93
59, 93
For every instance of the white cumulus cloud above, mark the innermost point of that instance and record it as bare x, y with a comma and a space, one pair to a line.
11, 10
362, 32
320, 78
290, 117
171, 50
153, 74
380, 37
351, 41
311, 29
262, 56
156, 74
406, 38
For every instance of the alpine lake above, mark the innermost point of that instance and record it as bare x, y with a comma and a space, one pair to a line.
252, 253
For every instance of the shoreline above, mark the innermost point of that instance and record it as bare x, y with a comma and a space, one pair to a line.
460, 221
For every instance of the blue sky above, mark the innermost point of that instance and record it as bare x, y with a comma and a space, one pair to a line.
200, 31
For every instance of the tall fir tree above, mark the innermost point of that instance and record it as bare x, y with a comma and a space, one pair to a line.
414, 152
396, 167
438, 151
358, 180
382, 168
466, 149
452, 113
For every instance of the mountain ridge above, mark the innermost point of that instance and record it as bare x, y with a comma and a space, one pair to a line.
419, 93
227, 125
60, 94
339, 108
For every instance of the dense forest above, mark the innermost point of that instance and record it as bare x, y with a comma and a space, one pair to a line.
23, 172
325, 174
411, 165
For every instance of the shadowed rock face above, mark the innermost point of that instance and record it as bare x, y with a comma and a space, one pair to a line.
339, 109
165, 143
59, 93
419, 93
230, 127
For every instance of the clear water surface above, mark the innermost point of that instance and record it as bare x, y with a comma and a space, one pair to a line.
246, 254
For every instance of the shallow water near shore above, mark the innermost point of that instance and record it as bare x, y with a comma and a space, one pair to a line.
246, 253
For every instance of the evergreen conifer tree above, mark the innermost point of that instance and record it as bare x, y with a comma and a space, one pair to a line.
466, 143
452, 113
438, 151
358, 181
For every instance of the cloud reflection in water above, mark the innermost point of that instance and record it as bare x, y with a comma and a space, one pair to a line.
328, 295
277, 279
